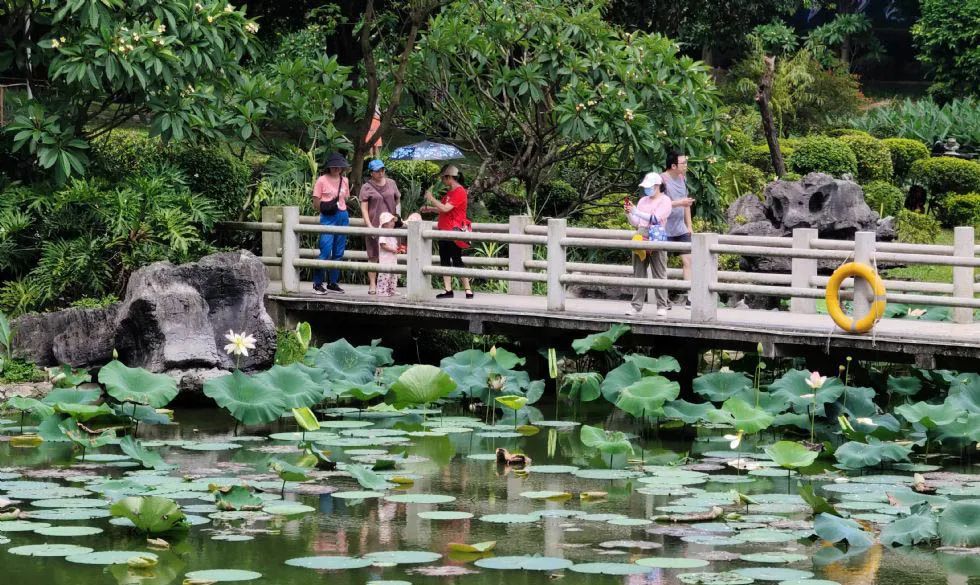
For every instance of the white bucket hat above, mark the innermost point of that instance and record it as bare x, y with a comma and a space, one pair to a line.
650, 180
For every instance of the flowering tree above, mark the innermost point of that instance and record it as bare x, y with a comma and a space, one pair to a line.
531, 85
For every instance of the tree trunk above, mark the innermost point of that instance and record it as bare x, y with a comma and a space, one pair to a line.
762, 97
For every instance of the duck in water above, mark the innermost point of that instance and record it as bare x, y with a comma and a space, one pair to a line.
505, 457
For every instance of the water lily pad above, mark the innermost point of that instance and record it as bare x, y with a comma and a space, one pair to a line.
21, 526
809, 582
767, 535
210, 446
552, 469
726, 578
445, 515
546, 495
672, 563
101, 457
629, 522
557, 513
287, 509
328, 563
612, 474
109, 557
482, 456
70, 503
773, 574
631, 544
223, 575
730, 479
509, 518
357, 495
609, 569
68, 531
420, 498
69, 514
499, 435
232, 537
49, 550
403, 557
773, 557
526, 563
711, 540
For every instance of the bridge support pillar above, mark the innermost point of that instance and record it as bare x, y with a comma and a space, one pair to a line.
517, 255
290, 249
803, 270
704, 275
556, 264
418, 283
864, 251
272, 241
963, 246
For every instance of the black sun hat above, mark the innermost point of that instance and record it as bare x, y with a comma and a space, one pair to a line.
337, 161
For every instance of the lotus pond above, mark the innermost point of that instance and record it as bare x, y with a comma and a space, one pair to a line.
351, 469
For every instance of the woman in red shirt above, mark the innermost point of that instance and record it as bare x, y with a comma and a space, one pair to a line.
452, 216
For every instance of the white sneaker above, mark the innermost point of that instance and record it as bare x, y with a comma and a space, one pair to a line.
634, 312
662, 312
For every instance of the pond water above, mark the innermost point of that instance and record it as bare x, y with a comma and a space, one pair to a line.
454, 464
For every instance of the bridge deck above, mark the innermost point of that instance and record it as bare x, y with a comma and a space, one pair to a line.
927, 343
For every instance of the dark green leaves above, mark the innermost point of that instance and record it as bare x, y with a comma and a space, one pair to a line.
137, 385
600, 341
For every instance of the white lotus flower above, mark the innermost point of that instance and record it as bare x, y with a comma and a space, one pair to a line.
816, 381
736, 440
239, 344
916, 312
865, 421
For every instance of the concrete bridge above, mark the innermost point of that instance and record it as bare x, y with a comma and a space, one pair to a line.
541, 254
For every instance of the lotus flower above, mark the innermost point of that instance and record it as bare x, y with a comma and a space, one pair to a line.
816, 381
916, 312
865, 421
239, 343
736, 440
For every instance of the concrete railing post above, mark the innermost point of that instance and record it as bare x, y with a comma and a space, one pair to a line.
963, 246
704, 275
272, 241
803, 270
864, 251
418, 283
517, 255
290, 249
556, 264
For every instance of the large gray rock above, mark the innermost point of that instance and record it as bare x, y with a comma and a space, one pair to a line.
173, 318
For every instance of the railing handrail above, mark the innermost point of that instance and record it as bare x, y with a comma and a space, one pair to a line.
281, 228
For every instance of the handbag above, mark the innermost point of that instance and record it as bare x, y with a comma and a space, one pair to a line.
656, 232
466, 226
332, 206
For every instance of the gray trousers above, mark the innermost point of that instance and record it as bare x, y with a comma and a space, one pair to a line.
656, 263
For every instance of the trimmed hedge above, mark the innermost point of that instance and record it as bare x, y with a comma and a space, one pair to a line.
758, 157
884, 198
874, 160
904, 152
822, 154
945, 174
961, 210
736, 179
124, 152
839, 132
916, 228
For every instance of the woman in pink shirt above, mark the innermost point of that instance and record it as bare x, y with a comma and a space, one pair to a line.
330, 194
649, 216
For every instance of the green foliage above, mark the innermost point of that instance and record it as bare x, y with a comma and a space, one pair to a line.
874, 161
6, 337
947, 37
220, 178
150, 514
758, 157
606, 442
904, 152
137, 385
739, 143
288, 348
884, 198
791, 455
824, 155
924, 120
604, 341
18, 371
835, 529
945, 174
736, 179
960, 210
95, 303
421, 385
413, 178
249, 400
916, 228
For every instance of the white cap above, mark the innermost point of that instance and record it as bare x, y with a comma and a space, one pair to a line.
651, 179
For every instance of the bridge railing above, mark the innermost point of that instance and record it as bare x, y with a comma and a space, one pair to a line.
281, 228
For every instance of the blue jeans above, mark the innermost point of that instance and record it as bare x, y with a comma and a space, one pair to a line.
332, 246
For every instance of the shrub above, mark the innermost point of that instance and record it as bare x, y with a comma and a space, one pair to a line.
219, 177
791, 176
944, 174
20, 372
413, 178
960, 210
737, 179
916, 228
904, 152
288, 348
947, 35
884, 198
874, 161
124, 152
838, 132
95, 302
825, 155
758, 156
739, 142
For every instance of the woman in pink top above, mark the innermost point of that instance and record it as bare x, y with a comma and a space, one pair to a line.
651, 210
330, 194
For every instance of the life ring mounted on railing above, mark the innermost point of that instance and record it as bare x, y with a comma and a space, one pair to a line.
844, 321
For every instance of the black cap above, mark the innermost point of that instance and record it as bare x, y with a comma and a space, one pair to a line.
337, 161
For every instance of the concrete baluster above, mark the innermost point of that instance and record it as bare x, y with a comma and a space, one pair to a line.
864, 251
704, 275
963, 246
272, 241
290, 249
556, 264
803, 270
518, 254
419, 284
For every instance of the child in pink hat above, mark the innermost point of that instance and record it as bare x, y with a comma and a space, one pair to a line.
387, 254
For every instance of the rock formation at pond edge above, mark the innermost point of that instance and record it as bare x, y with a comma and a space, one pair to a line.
173, 319
834, 207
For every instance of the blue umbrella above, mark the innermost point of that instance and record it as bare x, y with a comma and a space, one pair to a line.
426, 150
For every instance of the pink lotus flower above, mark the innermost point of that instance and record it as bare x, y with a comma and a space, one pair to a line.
816, 381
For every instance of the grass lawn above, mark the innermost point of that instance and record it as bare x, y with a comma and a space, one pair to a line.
925, 272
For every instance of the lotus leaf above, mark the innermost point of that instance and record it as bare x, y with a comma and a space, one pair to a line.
64, 377
137, 385
854, 455
82, 412
73, 395
512, 402
747, 418
658, 365
671, 563
720, 386
817, 503
506, 359
792, 388
618, 379
306, 419
607, 442
30, 405
109, 557
791, 455
773, 574
964, 392
69, 428
150, 514
835, 529
289, 472
288, 509
367, 478
342, 361
421, 384
930, 416
959, 524
919, 526
294, 383
327, 563
583, 386
609, 569
236, 497
479, 547
525, 563
726, 578
221, 575
149, 459
904, 385
647, 396
688, 412
49, 550
403, 557
359, 391
600, 341
248, 399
